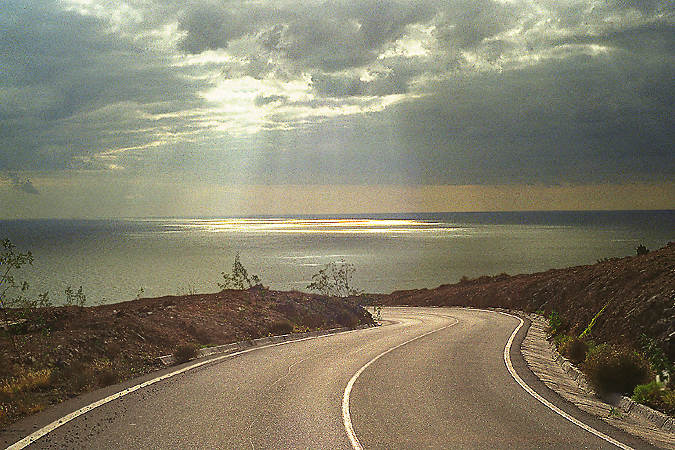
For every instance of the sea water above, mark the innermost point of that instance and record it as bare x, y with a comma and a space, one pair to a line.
118, 260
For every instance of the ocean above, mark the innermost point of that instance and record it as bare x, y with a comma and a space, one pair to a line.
116, 260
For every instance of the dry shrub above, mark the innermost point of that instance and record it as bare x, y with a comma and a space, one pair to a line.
611, 368
574, 349
105, 373
312, 320
107, 377
185, 353
281, 327
348, 319
76, 376
26, 405
28, 381
17, 394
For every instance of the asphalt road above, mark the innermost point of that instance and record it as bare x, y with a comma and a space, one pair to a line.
447, 389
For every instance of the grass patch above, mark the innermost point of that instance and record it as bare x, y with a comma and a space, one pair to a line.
655, 395
19, 394
573, 348
28, 381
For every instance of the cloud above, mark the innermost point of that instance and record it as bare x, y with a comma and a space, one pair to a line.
71, 88
466, 23
262, 100
330, 36
375, 91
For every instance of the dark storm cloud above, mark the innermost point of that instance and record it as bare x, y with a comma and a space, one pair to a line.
483, 91
466, 23
61, 72
588, 120
386, 83
332, 36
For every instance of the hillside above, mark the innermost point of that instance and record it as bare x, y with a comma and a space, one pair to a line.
639, 291
63, 351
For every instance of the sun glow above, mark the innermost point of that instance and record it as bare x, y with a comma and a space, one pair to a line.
316, 226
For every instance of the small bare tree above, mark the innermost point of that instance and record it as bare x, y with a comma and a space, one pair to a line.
11, 260
335, 279
11, 291
239, 277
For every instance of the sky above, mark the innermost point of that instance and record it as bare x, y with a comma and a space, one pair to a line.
181, 108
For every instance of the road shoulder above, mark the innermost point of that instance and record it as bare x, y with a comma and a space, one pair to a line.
542, 360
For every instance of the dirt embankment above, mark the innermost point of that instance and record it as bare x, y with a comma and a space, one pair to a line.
63, 351
639, 292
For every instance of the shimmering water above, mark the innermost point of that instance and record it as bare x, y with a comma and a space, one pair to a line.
113, 259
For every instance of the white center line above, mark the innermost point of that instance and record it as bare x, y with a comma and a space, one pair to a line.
346, 417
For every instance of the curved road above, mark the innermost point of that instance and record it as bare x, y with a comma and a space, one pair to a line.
446, 389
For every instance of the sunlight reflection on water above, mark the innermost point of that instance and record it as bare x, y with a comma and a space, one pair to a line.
337, 226
113, 258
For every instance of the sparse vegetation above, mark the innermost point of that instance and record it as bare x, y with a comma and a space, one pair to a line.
26, 381
655, 395
10, 261
656, 355
555, 323
75, 298
281, 327
612, 368
335, 280
574, 349
14, 293
641, 250
239, 277
11, 291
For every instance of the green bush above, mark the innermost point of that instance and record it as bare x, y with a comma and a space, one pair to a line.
185, 353
656, 396
655, 354
555, 323
641, 250
75, 298
281, 327
574, 349
611, 368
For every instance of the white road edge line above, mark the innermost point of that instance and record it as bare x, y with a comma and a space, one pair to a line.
25, 442
349, 428
346, 417
551, 406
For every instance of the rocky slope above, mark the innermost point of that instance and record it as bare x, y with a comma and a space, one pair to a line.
60, 352
639, 292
